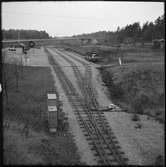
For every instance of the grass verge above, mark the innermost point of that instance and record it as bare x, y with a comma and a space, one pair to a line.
26, 108
138, 86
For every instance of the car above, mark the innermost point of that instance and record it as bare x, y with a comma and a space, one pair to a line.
12, 49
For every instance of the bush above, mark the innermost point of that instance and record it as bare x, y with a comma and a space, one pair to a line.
138, 126
137, 105
135, 117
158, 113
115, 89
28, 105
140, 103
139, 85
159, 160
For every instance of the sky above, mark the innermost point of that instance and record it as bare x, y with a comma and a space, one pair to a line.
66, 18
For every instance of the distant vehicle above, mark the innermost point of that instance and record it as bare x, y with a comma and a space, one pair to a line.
31, 44
94, 57
24, 47
12, 49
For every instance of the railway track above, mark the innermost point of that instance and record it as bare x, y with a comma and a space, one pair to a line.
94, 125
88, 92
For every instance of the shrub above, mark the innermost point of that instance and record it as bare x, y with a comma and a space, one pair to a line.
138, 106
158, 113
138, 126
115, 89
135, 117
159, 160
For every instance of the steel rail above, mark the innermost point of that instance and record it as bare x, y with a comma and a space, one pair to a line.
67, 86
88, 76
93, 100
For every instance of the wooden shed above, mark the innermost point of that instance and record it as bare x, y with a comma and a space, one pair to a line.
52, 112
158, 43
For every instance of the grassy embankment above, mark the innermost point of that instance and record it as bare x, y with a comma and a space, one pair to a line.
26, 137
138, 84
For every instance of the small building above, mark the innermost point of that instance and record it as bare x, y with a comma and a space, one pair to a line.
158, 43
52, 112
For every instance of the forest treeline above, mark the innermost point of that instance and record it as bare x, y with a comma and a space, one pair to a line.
132, 32
24, 34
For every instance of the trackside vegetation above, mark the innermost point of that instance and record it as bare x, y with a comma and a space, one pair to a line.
25, 135
138, 85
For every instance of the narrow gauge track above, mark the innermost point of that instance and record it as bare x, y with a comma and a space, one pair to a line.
106, 149
72, 94
85, 84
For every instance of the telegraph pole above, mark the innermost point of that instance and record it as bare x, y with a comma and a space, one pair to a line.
21, 54
33, 51
18, 37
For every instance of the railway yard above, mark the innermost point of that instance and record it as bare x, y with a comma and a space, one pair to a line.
102, 138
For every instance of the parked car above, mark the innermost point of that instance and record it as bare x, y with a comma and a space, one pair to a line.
12, 49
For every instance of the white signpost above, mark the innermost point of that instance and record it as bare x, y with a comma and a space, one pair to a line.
120, 62
0, 88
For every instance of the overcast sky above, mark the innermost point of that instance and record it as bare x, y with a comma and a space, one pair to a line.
69, 18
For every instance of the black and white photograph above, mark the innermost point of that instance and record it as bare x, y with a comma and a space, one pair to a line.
83, 83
